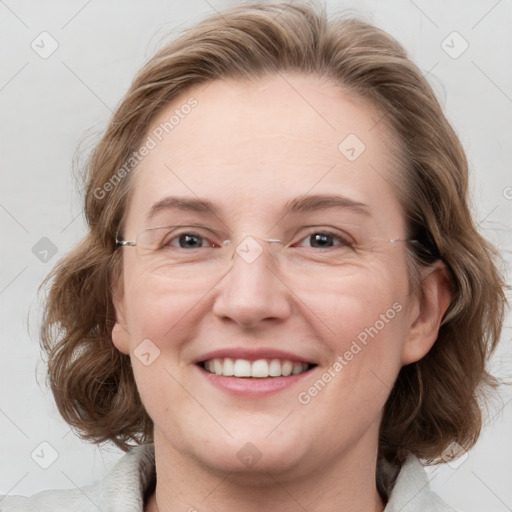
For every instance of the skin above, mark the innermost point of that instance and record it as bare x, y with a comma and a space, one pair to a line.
250, 147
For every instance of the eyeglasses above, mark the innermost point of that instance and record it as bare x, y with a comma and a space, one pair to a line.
193, 253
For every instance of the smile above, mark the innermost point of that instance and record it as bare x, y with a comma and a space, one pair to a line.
261, 368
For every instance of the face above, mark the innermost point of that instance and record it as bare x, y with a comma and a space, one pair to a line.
331, 302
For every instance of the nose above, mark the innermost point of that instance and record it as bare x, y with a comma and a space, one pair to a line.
252, 291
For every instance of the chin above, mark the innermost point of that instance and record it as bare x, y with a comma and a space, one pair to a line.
253, 459
249, 452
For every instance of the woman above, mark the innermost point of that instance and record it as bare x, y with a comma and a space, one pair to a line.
282, 296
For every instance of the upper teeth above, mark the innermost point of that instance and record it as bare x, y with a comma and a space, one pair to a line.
261, 368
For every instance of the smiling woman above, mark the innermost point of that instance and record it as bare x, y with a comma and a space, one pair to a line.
286, 293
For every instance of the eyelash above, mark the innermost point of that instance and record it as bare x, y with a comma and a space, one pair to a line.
344, 241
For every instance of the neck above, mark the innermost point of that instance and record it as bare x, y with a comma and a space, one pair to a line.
185, 484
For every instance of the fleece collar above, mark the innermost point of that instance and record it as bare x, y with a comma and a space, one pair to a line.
125, 488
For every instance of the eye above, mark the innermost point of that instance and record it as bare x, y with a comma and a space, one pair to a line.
324, 240
189, 241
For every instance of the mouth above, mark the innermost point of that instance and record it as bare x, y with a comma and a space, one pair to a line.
258, 369
254, 372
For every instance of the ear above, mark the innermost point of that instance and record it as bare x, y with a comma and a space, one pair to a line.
426, 316
120, 335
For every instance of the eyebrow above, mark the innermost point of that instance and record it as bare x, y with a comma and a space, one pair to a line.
302, 204
323, 202
182, 203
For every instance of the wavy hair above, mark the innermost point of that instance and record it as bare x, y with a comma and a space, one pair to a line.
435, 400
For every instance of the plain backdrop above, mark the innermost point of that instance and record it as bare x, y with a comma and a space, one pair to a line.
64, 67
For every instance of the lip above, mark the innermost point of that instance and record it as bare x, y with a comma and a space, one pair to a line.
252, 386
253, 354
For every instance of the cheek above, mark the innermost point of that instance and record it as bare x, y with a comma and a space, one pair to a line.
157, 311
348, 394
160, 322
365, 323
367, 305
367, 345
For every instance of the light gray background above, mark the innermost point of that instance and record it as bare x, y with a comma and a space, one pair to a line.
49, 105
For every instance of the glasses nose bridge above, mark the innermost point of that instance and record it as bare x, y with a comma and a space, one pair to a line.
250, 247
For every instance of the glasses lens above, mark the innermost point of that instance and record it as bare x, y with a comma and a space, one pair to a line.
188, 253
179, 253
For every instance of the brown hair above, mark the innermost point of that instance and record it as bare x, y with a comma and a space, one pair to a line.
434, 401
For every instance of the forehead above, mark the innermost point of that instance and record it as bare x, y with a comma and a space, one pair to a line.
252, 146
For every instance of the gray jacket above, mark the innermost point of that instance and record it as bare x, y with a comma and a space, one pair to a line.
126, 486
